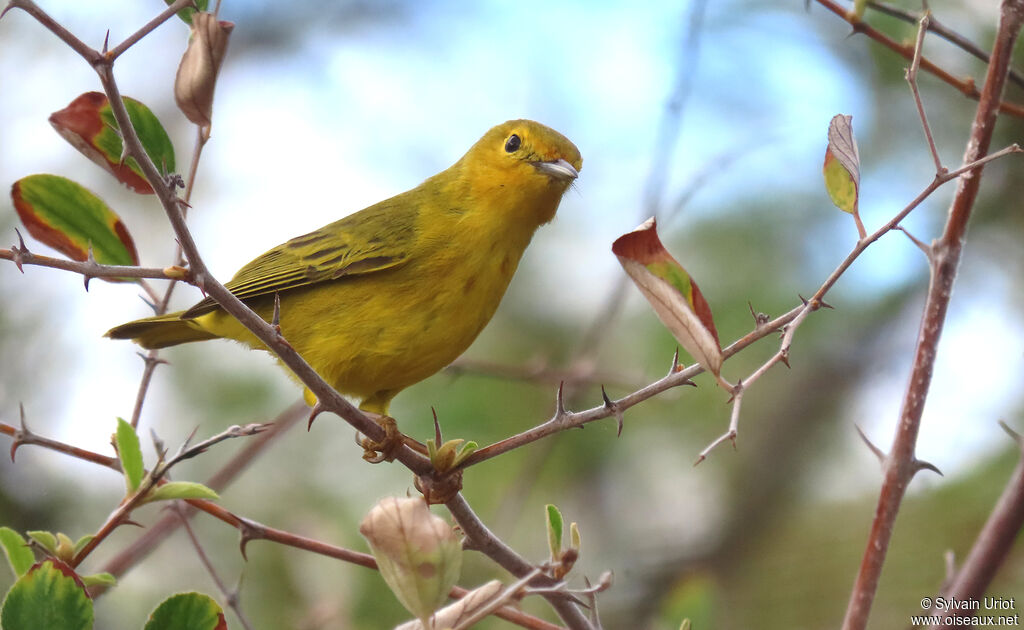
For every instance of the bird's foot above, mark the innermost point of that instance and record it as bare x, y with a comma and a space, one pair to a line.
385, 450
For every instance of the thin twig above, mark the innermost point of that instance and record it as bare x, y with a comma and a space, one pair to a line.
480, 538
120, 515
965, 86
23, 436
88, 268
911, 77
230, 595
944, 32
564, 420
134, 38
901, 465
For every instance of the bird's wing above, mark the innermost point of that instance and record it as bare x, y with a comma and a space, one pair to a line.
371, 240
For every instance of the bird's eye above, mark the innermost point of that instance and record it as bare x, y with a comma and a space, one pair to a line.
512, 144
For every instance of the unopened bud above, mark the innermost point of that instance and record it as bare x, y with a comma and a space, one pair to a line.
418, 553
197, 73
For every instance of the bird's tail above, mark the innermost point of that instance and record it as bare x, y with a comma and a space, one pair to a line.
160, 331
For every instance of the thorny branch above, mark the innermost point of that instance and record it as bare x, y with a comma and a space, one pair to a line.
946, 33
965, 86
789, 322
944, 256
249, 529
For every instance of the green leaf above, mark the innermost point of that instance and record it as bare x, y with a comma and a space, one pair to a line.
83, 541
130, 452
842, 164
88, 124
555, 526
49, 596
47, 540
672, 293
99, 579
181, 490
71, 219
186, 13
19, 555
187, 611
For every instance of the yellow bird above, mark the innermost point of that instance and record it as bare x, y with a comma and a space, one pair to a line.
390, 295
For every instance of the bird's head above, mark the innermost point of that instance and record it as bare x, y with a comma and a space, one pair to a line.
527, 163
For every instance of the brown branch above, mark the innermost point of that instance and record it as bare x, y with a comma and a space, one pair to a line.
251, 529
24, 436
563, 420
994, 542
965, 86
90, 268
230, 595
901, 464
946, 33
153, 479
149, 27
480, 538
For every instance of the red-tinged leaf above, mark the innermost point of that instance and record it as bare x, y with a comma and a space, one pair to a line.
194, 611
69, 218
674, 295
88, 124
842, 164
50, 595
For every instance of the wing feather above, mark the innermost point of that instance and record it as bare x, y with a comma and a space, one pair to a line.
371, 240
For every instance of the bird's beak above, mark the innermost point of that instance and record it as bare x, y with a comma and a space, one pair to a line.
558, 169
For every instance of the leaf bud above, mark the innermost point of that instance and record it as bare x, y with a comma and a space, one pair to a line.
417, 552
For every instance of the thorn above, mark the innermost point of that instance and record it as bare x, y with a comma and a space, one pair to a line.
188, 438
760, 319
317, 410
248, 532
920, 244
920, 465
153, 360
19, 250
738, 387
874, 449
437, 428
614, 409
158, 444
802, 299
22, 435
825, 304
149, 304
106, 42
699, 459
276, 320
131, 522
560, 401
784, 357
87, 278
675, 362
